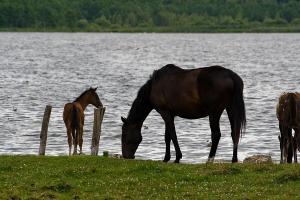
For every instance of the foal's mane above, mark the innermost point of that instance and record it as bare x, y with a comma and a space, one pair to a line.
82, 94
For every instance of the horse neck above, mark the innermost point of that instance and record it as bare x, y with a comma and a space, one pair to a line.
140, 109
83, 101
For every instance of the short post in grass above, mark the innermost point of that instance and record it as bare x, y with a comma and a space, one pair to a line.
44, 131
98, 118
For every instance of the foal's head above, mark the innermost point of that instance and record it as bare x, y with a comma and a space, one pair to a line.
93, 97
131, 138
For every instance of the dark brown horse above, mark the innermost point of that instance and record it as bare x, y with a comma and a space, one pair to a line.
190, 94
288, 115
74, 117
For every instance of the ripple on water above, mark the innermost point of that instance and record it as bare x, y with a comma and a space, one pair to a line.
54, 68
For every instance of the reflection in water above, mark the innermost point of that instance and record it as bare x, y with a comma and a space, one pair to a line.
37, 69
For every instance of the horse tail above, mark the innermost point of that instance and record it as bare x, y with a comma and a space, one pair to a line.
237, 106
74, 122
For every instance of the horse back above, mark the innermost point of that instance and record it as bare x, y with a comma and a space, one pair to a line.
73, 115
191, 93
288, 109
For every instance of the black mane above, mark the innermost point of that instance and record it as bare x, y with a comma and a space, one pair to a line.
165, 69
141, 105
84, 93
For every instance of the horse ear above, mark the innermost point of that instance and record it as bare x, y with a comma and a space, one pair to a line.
124, 120
93, 89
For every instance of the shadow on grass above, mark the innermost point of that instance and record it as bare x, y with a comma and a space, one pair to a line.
60, 187
287, 177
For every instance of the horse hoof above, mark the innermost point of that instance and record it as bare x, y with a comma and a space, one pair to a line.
166, 159
176, 161
210, 160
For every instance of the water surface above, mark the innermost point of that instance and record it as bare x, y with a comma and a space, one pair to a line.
37, 69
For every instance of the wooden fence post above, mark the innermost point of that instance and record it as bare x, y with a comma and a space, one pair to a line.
98, 118
44, 131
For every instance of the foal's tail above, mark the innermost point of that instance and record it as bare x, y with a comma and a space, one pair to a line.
237, 106
74, 122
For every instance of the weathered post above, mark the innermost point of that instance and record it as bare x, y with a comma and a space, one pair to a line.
98, 118
44, 131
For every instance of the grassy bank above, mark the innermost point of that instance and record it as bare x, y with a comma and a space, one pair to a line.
85, 177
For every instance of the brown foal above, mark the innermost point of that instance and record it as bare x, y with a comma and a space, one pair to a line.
74, 117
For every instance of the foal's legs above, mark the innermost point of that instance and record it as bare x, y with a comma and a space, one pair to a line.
214, 122
75, 140
69, 134
170, 134
80, 139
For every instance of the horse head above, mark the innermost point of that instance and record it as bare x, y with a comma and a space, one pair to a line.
95, 100
131, 138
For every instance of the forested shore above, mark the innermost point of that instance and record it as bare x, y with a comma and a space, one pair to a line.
150, 16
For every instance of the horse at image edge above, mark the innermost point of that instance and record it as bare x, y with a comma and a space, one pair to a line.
288, 115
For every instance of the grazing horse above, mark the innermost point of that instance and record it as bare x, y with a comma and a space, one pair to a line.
288, 115
189, 94
74, 117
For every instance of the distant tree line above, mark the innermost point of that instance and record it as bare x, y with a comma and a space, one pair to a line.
118, 15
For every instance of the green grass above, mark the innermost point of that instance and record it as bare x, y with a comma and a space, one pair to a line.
86, 177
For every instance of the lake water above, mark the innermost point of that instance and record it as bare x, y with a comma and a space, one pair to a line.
37, 69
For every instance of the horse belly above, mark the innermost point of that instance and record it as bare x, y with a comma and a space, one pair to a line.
190, 110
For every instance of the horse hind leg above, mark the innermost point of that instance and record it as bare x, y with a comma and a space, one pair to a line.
235, 133
75, 140
80, 139
295, 148
281, 148
283, 143
214, 122
290, 149
69, 134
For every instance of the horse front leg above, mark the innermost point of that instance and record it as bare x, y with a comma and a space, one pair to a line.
170, 134
167, 142
215, 136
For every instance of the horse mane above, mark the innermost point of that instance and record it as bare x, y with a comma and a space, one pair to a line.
82, 94
141, 104
165, 69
